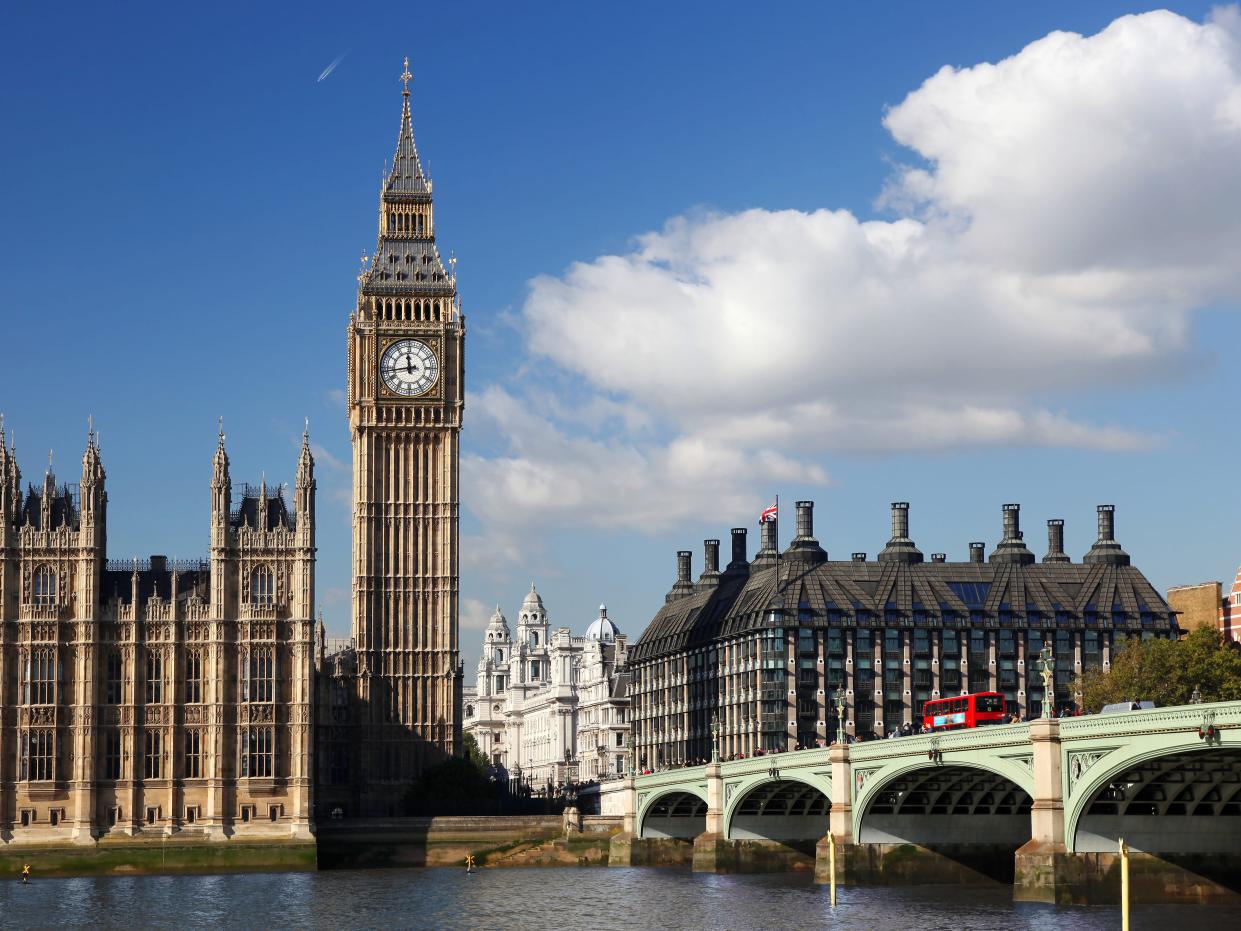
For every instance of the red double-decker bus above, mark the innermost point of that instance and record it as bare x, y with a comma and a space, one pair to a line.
974, 710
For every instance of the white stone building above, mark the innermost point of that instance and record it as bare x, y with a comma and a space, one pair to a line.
548, 706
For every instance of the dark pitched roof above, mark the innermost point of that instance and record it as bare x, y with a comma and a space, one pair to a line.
904, 594
155, 578
407, 266
64, 508
246, 513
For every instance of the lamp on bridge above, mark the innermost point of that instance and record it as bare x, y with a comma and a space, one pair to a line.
715, 738
1047, 665
840, 715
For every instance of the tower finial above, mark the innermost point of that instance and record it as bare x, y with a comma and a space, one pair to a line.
49, 462
221, 429
306, 432
406, 77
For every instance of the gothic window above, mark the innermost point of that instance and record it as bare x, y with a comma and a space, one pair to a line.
41, 678
259, 681
38, 754
193, 753
112, 677
153, 759
194, 676
155, 679
258, 752
45, 586
112, 754
262, 587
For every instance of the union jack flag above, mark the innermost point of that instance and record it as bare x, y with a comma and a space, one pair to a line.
769, 514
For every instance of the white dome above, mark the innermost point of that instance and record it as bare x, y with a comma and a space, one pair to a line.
497, 627
533, 600
602, 628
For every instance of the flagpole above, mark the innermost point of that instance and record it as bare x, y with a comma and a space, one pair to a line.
777, 544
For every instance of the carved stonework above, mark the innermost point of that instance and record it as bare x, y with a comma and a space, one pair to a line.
860, 777
1080, 763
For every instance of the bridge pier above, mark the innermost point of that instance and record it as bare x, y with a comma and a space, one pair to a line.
1043, 868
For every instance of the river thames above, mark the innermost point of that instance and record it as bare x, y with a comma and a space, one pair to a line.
549, 899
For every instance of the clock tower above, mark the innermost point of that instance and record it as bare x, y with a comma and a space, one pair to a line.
405, 397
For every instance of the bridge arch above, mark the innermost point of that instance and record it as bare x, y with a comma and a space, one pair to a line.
955, 802
790, 806
678, 812
1162, 796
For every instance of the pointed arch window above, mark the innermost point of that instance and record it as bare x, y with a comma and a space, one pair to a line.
262, 587
45, 586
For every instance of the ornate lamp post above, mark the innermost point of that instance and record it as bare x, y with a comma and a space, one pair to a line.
715, 739
840, 716
1047, 665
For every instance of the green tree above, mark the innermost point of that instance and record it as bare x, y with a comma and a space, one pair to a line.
471, 752
1167, 672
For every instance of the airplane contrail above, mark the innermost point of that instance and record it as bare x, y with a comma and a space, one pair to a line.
332, 67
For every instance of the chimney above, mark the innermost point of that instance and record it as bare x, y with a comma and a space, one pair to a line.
1106, 550
1011, 548
805, 548
710, 565
1012, 523
977, 551
939, 557
739, 550
1055, 542
900, 548
768, 546
683, 586
900, 520
1107, 523
711, 555
859, 557
805, 520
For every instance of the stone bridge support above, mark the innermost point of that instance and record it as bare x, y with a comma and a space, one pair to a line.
840, 818
1042, 863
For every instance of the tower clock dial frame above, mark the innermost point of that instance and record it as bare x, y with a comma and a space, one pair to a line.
410, 368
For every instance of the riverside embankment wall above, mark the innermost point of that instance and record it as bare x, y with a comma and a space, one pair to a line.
535, 840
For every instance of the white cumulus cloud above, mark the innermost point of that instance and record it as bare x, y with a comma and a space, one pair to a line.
1064, 212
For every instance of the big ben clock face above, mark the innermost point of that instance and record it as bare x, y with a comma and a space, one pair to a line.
409, 367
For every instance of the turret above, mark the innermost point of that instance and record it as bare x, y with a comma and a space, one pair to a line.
710, 566
738, 562
805, 548
1012, 547
304, 492
1106, 551
10, 483
682, 586
900, 547
93, 497
1055, 542
221, 493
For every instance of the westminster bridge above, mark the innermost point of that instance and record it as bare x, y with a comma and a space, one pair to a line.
1042, 804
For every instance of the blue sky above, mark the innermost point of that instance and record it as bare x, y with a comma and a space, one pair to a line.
708, 254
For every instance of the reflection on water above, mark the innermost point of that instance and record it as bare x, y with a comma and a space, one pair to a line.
562, 899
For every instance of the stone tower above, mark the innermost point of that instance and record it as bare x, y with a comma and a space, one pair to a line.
405, 384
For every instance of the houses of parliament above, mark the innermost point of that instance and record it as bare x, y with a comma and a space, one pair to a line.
202, 698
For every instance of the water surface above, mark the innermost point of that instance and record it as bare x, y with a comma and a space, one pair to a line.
570, 899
